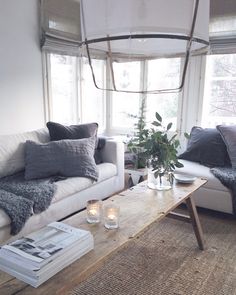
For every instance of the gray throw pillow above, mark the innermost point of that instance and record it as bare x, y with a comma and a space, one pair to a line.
64, 158
228, 134
206, 147
58, 131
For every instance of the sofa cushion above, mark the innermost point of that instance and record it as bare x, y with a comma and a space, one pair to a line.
228, 134
72, 185
58, 131
65, 158
196, 169
12, 150
66, 188
206, 147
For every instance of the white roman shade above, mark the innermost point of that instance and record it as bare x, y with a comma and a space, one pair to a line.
61, 29
222, 26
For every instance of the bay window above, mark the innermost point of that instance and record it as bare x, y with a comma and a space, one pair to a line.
71, 95
74, 99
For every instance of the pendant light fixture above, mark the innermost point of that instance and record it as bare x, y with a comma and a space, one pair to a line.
133, 30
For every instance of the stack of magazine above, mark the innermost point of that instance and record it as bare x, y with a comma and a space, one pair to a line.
40, 255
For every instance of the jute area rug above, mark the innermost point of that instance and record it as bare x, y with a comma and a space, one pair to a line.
166, 260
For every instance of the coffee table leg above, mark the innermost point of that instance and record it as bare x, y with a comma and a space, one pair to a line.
195, 222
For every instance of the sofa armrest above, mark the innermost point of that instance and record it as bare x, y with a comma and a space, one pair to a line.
113, 152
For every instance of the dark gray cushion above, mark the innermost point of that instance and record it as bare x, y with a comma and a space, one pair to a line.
228, 134
58, 131
206, 147
64, 158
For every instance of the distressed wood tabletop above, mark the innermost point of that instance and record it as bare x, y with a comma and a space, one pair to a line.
140, 207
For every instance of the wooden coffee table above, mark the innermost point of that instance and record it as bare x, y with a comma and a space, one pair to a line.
140, 207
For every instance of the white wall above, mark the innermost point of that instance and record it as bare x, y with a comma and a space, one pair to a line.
21, 82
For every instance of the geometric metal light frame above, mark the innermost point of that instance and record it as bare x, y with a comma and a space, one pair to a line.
108, 39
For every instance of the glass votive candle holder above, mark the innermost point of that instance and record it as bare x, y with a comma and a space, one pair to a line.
94, 211
111, 216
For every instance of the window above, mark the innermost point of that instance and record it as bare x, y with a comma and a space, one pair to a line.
73, 96
74, 99
219, 102
167, 77
63, 104
92, 99
125, 106
161, 73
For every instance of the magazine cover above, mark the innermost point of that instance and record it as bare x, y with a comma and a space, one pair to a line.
40, 255
45, 243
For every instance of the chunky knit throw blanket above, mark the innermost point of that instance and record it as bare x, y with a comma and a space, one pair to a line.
20, 198
227, 177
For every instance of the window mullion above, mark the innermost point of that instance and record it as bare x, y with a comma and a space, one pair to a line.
78, 89
143, 83
203, 73
108, 98
48, 87
191, 95
181, 103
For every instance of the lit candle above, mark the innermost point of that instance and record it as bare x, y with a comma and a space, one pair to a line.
111, 216
94, 211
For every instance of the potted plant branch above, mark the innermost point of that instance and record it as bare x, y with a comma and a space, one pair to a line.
134, 144
161, 150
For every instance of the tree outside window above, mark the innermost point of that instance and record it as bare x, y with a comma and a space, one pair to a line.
219, 102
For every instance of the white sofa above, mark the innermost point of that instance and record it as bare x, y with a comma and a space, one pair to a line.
213, 195
71, 194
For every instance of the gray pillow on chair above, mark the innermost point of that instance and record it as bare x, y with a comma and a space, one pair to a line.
65, 158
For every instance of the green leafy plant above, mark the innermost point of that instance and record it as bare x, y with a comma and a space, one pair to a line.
159, 147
